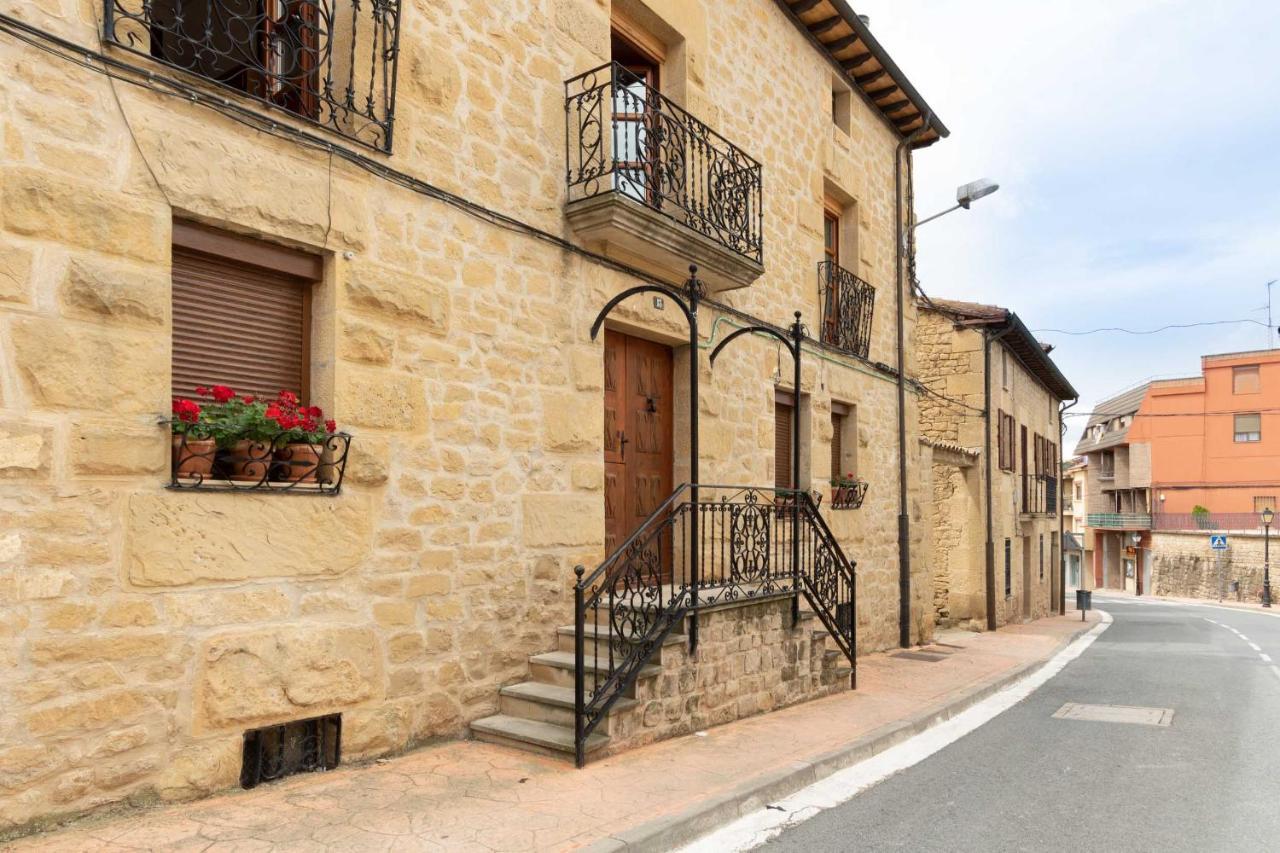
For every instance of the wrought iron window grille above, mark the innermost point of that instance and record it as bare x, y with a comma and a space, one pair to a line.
302, 746
330, 62
848, 494
623, 136
848, 305
262, 466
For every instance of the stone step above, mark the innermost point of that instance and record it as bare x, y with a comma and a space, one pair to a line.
558, 668
598, 635
548, 703
533, 735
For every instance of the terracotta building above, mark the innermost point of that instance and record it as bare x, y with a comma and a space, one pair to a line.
1193, 454
995, 422
429, 219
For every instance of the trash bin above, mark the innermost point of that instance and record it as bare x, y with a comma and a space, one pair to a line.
1084, 601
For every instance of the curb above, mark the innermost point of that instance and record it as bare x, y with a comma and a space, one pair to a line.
666, 833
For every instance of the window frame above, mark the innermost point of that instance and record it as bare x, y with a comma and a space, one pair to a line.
1244, 370
1250, 436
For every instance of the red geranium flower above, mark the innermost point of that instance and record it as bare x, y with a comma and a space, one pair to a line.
331, 425
248, 400
221, 393
202, 390
288, 398
188, 411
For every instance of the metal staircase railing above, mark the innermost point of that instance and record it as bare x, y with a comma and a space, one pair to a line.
705, 545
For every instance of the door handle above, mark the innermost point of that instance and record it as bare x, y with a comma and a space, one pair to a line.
622, 444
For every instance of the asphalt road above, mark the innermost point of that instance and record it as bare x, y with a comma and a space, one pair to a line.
1210, 781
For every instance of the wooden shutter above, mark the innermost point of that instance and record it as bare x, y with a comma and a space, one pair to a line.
782, 413
837, 445
1000, 442
240, 314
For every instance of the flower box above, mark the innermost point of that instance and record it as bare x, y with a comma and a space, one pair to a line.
848, 493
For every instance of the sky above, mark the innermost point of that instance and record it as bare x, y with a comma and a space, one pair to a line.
1137, 147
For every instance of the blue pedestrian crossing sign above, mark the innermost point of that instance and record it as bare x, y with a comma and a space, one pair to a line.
1218, 542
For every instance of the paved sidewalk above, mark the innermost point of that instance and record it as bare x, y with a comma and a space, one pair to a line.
472, 796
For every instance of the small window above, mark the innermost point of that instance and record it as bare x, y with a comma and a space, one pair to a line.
831, 234
844, 440
1004, 368
1248, 427
1262, 502
841, 105
241, 313
1245, 380
1006, 441
1008, 568
1041, 556
783, 414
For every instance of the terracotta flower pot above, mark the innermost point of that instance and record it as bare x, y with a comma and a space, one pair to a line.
301, 463
193, 457
249, 461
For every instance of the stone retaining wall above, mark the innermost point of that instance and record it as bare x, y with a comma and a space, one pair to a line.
1184, 565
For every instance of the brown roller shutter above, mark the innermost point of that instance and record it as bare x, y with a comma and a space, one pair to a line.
239, 324
782, 413
837, 449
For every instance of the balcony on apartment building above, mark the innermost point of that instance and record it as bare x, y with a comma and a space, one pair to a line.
296, 59
655, 187
848, 305
1224, 521
1119, 520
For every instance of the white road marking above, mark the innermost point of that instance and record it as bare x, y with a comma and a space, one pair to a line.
1255, 647
1266, 658
758, 827
1276, 670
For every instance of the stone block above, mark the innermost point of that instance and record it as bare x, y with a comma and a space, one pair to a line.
24, 449
110, 449
381, 399
79, 368
201, 769
15, 273
275, 674
562, 520
94, 649
43, 204
572, 421
82, 714
366, 343
396, 294
103, 290
174, 539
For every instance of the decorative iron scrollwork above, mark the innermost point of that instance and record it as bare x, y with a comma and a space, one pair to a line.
848, 305
331, 62
275, 466
651, 150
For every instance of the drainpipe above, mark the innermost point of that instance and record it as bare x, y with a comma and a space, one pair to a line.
1062, 483
987, 340
904, 519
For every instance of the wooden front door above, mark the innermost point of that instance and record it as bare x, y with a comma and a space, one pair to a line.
637, 433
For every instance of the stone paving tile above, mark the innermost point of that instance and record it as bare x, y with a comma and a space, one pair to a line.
472, 796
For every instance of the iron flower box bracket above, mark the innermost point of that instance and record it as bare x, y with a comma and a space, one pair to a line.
260, 466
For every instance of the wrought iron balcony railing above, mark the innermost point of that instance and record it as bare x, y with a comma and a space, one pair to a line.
331, 62
1118, 520
703, 546
1207, 521
848, 304
276, 465
623, 136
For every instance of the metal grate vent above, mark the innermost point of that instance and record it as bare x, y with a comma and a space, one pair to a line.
302, 746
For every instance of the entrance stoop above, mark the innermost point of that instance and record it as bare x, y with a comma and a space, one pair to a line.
749, 661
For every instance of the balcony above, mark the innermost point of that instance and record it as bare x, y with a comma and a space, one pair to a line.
1240, 521
333, 67
848, 304
1118, 520
655, 187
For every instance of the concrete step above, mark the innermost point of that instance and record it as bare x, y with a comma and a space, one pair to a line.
532, 735
558, 667
548, 703
597, 636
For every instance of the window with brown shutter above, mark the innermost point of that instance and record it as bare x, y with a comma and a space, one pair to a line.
241, 313
837, 449
782, 414
1245, 379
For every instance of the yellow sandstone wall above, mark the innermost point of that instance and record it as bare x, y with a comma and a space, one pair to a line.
143, 630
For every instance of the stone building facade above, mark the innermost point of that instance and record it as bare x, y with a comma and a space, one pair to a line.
995, 408
447, 329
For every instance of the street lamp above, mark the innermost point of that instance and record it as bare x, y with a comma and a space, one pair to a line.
966, 195
1267, 515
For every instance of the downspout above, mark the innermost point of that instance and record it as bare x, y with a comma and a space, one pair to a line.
987, 340
904, 519
1062, 544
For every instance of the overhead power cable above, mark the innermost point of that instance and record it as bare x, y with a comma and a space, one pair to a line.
1125, 331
